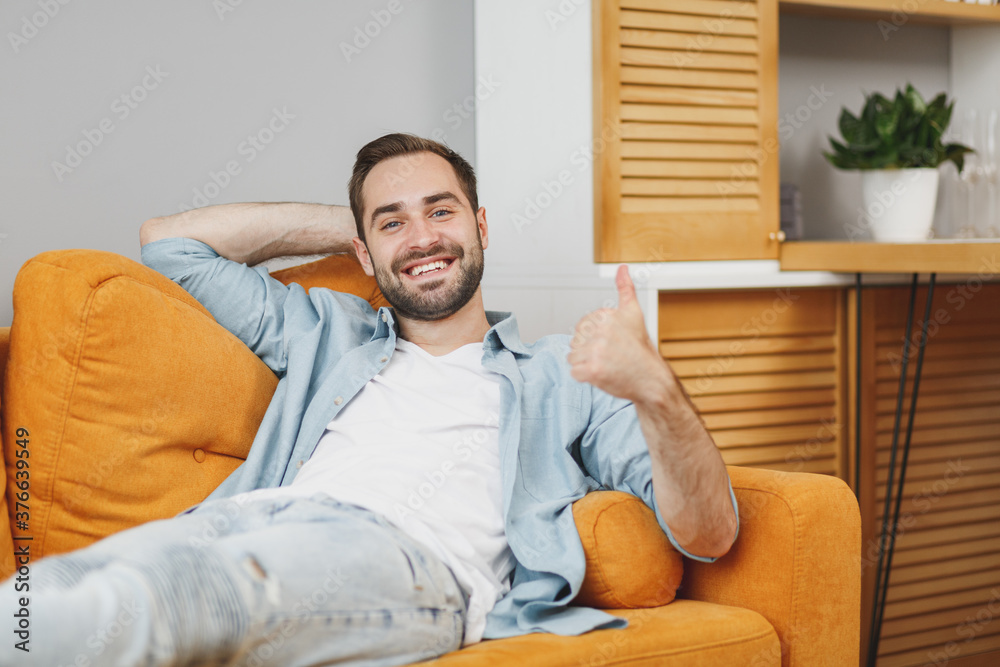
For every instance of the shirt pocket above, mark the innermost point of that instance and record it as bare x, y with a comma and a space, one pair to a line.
551, 425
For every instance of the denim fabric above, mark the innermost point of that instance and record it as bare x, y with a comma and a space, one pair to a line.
559, 438
304, 581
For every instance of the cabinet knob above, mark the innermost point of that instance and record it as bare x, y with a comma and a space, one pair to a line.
777, 236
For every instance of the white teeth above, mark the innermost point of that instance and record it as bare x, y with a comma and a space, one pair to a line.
424, 268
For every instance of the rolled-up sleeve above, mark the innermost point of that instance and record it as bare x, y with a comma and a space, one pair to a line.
246, 301
614, 452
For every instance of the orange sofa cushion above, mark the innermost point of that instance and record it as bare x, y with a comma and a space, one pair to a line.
137, 402
687, 633
338, 272
630, 562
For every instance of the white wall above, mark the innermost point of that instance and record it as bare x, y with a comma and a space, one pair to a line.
222, 75
535, 127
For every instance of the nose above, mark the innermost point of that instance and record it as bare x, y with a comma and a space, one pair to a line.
423, 233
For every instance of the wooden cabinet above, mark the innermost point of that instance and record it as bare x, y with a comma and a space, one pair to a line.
686, 119
766, 369
896, 12
771, 371
686, 147
686, 155
943, 599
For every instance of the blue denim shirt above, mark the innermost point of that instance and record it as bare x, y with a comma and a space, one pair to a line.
558, 439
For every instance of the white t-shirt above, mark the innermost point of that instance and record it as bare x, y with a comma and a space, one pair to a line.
419, 445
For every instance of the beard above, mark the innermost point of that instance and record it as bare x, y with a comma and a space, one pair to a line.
430, 301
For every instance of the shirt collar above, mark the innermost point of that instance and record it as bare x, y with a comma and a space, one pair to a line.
385, 323
503, 331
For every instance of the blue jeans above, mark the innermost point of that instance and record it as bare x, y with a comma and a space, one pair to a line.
270, 582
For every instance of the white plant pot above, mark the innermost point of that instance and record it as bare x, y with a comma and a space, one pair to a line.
900, 203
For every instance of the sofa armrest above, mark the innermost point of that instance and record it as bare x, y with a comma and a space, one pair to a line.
797, 562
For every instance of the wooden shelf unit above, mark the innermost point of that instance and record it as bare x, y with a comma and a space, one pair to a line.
685, 113
930, 11
981, 256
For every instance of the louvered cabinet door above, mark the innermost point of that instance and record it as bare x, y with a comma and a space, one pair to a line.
943, 601
685, 129
765, 370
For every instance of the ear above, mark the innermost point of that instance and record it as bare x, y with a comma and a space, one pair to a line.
361, 250
484, 231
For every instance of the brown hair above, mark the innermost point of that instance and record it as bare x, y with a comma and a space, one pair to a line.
397, 145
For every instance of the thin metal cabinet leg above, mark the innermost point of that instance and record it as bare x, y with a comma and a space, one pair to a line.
921, 346
876, 620
879, 610
857, 388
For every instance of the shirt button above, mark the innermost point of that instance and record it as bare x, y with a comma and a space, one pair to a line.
385, 318
338, 400
199, 455
384, 359
299, 464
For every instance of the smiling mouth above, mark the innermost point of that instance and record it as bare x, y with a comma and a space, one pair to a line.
429, 268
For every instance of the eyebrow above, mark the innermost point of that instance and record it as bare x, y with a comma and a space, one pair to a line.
429, 200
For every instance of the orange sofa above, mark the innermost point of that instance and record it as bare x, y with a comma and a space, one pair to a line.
123, 401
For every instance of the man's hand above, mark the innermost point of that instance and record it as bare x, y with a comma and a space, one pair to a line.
611, 349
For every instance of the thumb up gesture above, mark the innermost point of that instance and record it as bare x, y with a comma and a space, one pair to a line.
610, 348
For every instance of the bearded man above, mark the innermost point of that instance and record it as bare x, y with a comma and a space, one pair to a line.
409, 490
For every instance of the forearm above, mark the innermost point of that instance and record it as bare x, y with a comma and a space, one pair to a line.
689, 476
611, 350
253, 233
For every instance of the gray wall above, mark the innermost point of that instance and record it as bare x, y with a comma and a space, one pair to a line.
975, 56
223, 68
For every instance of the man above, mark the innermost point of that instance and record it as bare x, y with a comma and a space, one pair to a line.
410, 488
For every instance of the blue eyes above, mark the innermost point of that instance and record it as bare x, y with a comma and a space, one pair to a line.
436, 214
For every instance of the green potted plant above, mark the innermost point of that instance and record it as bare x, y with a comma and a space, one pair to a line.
896, 144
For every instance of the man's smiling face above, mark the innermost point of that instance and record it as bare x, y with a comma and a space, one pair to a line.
423, 242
